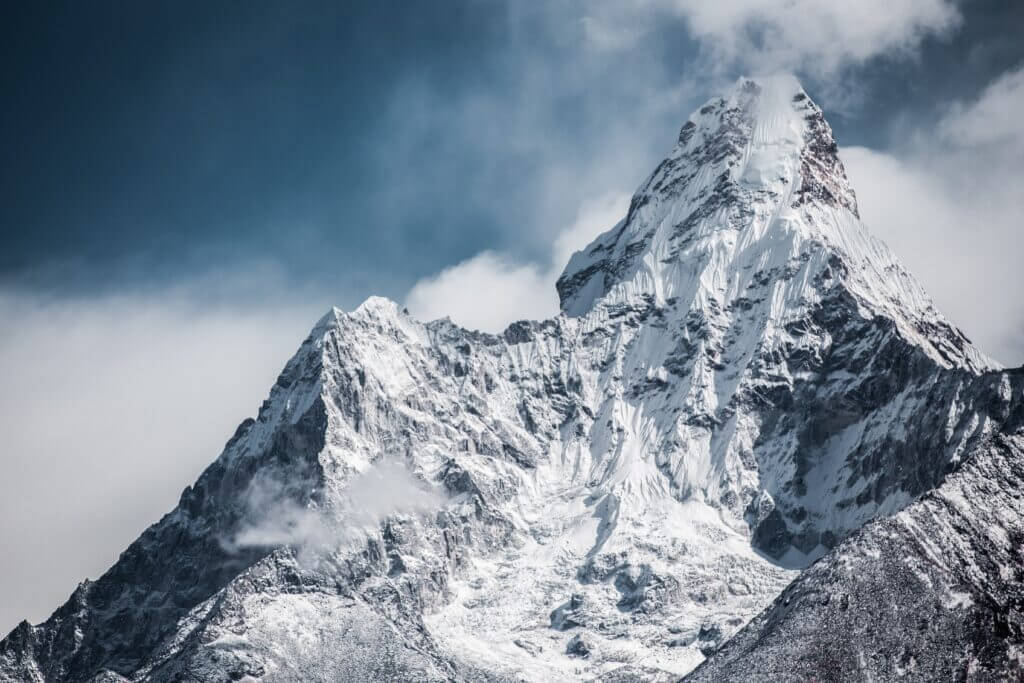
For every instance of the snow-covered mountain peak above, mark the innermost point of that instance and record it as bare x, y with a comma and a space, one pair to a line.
747, 167
773, 110
378, 306
753, 205
327, 321
741, 378
765, 133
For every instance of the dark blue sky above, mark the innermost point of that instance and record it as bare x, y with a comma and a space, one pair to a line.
356, 147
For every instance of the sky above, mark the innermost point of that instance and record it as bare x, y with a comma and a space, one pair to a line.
187, 187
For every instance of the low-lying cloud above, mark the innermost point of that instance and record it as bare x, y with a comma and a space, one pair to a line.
490, 290
110, 406
274, 519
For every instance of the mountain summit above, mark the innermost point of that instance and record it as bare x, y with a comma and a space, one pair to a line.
742, 381
754, 181
765, 145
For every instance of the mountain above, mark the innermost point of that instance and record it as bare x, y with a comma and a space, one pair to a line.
934, 593
744, 388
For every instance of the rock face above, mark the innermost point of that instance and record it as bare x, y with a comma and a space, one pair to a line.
741, 378
934, 593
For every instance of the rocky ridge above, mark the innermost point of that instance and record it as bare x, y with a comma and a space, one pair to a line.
933, 593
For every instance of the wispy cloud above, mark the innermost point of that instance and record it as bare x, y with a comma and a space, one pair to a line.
813, 37
993, 120
274, 519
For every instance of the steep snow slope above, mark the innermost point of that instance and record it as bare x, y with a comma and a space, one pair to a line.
741, 377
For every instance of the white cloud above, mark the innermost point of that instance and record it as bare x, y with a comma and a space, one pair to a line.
488, 291
822, 35
950, 206
110, 407
767, 35
274, 518
610, 35
994, 119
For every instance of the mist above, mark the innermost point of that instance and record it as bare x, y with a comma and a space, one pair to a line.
387, 488
110, 407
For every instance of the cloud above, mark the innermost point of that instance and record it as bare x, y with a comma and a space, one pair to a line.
387, 488
489, 290
993, 120
111, 406
949, 204
821, 35
764, 35
485, 292
603, 34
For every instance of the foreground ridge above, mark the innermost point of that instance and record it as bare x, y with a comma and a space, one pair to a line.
743, 383
933, 593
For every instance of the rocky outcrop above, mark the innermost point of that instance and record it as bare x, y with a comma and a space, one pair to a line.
933, 593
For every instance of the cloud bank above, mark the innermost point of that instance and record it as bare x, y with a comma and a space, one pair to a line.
949, 204
490, 290
111, 406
